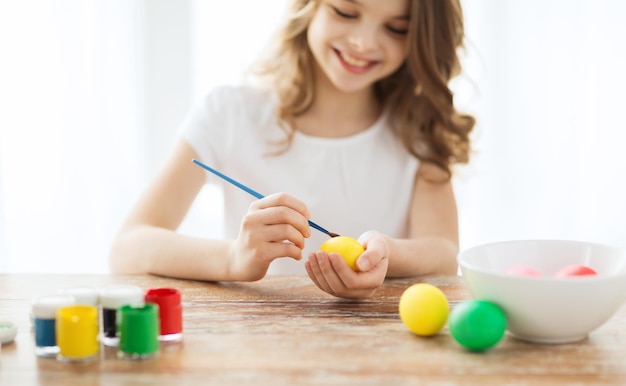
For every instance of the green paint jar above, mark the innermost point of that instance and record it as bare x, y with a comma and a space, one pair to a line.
139, 331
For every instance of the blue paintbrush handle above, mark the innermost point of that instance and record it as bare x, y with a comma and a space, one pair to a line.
247, 189
225, 177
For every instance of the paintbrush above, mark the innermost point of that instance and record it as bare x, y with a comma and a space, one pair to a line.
253, 192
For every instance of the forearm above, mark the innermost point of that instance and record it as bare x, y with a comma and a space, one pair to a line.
147, 249
428, 255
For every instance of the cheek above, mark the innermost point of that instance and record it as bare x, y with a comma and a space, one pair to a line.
397, 53
315, 35
323, 30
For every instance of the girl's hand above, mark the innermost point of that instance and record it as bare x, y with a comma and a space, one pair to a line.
331, 273
275, 226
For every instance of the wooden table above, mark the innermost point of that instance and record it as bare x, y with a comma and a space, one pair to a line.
284, 331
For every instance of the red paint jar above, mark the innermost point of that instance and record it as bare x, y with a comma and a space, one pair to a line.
170, 312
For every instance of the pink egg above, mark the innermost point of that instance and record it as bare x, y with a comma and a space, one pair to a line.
523, 270
575, 270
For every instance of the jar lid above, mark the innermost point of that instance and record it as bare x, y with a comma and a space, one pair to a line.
169, 297
115, 296
86, 296
8, 331
170, 309
45, 307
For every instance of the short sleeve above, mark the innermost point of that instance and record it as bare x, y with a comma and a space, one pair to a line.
205, 125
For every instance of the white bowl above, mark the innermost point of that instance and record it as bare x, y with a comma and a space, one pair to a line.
545, 309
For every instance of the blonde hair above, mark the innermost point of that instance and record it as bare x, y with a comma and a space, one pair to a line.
420, 102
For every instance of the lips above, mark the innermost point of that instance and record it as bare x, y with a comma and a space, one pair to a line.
354, 64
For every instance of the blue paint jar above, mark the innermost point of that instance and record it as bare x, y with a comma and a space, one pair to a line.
44, 322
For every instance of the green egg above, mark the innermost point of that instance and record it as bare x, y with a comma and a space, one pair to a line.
477, 325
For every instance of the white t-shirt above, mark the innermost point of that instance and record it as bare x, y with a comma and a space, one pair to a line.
350, 185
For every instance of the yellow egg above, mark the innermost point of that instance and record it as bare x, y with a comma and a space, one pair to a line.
347, 247
424, 309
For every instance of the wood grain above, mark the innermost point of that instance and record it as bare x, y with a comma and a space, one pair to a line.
284, 331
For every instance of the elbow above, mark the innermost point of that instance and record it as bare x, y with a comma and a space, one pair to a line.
450, 268
449, 264
122, 258
116, 259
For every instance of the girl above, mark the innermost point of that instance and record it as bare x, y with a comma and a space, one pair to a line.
354, 126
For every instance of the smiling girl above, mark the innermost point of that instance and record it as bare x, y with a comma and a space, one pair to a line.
353, 125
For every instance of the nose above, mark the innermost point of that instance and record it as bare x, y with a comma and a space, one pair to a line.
363, 38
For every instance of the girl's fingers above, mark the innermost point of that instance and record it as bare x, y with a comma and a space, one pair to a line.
283, 233
327, 267
284, 199
331, 274
281, 209
376, 249
368, 280
316, 272
284, 249
309, 271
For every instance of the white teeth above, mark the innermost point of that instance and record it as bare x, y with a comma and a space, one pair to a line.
353, 61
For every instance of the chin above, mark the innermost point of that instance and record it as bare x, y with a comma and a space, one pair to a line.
353, 87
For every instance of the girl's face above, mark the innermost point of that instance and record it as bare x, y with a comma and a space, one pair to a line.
358, 42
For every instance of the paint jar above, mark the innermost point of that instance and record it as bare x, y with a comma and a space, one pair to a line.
139, 331
170, 312
44, 322
85, 296
111, 299
77, 333
8, 331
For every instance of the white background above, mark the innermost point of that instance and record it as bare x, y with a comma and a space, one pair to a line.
92, 92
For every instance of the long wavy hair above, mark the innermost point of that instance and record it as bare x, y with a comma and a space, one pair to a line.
417, 95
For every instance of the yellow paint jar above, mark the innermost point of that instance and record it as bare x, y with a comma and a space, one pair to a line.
77, 333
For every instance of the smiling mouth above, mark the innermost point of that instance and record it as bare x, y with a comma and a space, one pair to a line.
353, 62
